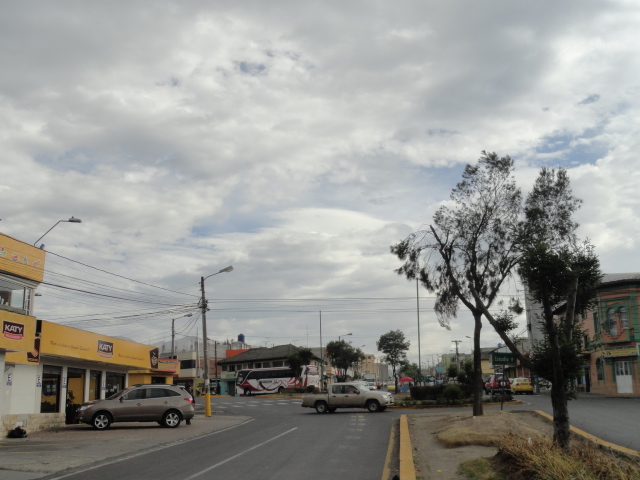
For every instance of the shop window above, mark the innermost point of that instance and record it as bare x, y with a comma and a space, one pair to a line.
95, 381
158, 380
50, 397
114, 383
612, 323
624, 317
75, 392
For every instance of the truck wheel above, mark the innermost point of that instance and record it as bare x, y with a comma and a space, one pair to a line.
331, 409
247, 392
280, 390
373, 406
321, 407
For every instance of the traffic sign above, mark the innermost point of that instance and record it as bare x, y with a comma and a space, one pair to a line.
500, 358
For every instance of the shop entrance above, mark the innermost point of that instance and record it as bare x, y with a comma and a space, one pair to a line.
624, 378
50, 397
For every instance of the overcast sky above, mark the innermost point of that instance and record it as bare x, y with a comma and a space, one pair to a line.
296, 141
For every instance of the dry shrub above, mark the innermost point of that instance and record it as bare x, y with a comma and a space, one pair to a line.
541, 460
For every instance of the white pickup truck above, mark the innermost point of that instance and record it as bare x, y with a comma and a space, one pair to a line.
347, 395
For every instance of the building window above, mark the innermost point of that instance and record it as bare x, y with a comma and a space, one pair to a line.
278, 363
624, 317
596, 321
115, 383
600, 369
612, 323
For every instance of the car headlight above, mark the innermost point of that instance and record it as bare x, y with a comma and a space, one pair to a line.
84, 407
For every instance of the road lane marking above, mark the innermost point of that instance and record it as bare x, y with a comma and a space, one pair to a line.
151, 450
240, 454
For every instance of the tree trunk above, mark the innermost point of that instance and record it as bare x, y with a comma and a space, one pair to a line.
561, 429
478, 387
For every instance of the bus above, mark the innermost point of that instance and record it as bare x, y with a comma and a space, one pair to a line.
274, 380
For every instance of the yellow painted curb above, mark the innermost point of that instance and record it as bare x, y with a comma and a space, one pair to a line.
407, 468
593, 438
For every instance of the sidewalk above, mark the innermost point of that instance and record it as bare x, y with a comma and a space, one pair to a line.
50, 451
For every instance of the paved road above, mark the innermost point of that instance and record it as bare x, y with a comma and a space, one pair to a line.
276, 440
613, 419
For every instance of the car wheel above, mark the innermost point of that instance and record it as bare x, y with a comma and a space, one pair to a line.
321, 407
373, 406
171, 419
331, 409
101, 421
247, 392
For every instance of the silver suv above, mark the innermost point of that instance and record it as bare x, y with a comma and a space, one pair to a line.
166, 404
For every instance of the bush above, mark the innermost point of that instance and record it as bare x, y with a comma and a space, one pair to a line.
429, 392
452, 393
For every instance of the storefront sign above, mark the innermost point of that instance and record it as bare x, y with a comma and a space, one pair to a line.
622, 351
18, 331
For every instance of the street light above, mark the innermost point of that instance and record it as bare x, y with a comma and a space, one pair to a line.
71, 220
346, 335
173, 331
203, 305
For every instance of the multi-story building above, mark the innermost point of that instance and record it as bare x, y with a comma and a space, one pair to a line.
611, 339
48, 369
612, 336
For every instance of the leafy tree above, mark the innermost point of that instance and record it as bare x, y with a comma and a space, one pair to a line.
343, 356
408, 369
295, 363
298, 359
564, 281
394, 346
468, 251
452, 370
562, 277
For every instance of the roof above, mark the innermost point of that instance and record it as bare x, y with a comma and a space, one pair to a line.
612, 278
280, 352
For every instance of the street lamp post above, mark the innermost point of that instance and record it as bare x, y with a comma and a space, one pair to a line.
203, 305
173, 332
71, 220
346, 335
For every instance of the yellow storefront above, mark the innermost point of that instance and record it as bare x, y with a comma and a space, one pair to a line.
66, 367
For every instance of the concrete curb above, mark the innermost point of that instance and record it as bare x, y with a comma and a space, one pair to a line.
593, 438
407, 468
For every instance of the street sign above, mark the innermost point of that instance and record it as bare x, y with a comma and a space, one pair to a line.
503, 358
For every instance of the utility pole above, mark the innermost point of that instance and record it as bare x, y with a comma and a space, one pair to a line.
457, 357
173, 336
418, 310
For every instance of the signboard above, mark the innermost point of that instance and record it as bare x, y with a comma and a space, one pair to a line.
499, 358
621, 351
21, 259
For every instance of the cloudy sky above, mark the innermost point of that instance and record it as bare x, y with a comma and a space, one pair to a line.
296, 141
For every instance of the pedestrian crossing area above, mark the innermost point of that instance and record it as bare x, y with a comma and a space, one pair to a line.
256, 403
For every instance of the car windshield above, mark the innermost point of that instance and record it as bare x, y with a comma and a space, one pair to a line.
117, 394
364, 388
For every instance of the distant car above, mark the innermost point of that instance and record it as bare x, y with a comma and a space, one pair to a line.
521, 385
496, 383
372, 385
166, 404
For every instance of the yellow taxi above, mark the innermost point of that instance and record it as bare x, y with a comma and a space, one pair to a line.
521, 385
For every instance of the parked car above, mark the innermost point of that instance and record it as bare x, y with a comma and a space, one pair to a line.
166, 404
496, 383
347, 395
521, 385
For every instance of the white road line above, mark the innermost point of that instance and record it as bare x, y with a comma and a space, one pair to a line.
239, 454
144, 452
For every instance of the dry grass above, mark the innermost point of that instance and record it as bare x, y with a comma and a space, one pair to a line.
540, 460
